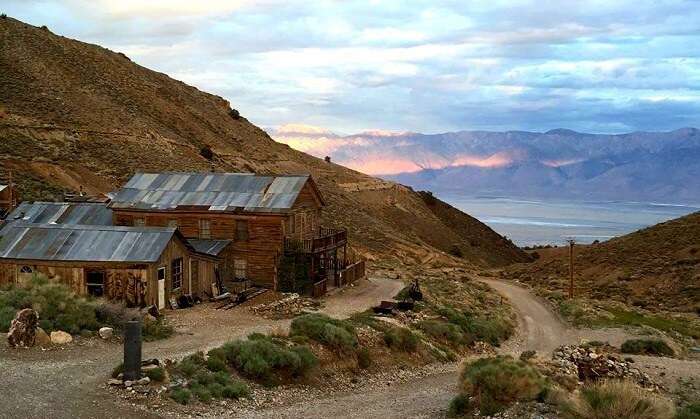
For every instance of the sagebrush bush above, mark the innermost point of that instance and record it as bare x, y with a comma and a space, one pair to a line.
58, 307
180, 395
204, 384
616, 400
443, 331
692, 411
265, 359
155, 374
401, 339
493, 330
339, 335
646, 347
495, 383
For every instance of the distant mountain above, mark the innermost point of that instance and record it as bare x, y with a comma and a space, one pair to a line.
646, 166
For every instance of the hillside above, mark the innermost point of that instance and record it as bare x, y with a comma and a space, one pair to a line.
74, 114
657, 268
639, 166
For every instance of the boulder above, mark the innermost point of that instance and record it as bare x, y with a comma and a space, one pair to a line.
42, 338
106, 332
60, 337
22, 332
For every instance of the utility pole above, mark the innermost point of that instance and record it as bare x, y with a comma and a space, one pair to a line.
571, 267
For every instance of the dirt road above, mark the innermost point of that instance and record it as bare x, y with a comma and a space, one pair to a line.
67, 383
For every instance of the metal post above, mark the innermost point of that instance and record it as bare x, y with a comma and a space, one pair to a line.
132, 350
571, 268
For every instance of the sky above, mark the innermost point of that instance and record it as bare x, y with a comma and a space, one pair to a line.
423, 66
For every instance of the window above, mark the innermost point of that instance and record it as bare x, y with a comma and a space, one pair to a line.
172, 223
176, 282
204, 229
96, 283
240, 268
241, 230
26, 270
139, 222
161, 273
291, 224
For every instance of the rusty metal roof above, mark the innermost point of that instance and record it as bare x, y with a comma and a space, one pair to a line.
62, 213
211, 191
209, 247
84, 243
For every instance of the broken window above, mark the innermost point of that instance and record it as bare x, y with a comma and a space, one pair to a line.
26, 270
240, 268
242, 230
176, 282
96, 283
204, 229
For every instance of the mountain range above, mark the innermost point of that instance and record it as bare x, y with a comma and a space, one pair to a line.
560, 163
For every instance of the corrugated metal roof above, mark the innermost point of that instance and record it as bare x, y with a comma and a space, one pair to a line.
82, 213
209, 247
212, 191
84, 243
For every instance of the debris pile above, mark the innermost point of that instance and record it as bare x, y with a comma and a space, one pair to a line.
142, 385
288, 306
23, 329
591, 364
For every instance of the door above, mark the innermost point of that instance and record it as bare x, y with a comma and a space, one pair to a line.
161, 288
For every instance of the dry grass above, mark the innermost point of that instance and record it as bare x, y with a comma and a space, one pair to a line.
616, 400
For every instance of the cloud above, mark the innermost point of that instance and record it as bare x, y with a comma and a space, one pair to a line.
420, 65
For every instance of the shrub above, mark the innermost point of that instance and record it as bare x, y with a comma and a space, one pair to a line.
3, 16
201, 392
180, 395
336, 334
156, 330
155, 374
267, 360
496, 383
115, 314
401, 339
215, 363
58, 307
459, 405
364, 358
493, 330
191, 365
456, 251
236, 390
647, 347
616, 400
691, 411
446, 332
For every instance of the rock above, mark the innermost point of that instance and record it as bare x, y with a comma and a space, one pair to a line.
22, 331
42, 338
143, 381
128, 383
115, 382
106, 332
59, 337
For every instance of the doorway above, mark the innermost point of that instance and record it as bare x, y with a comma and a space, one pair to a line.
161, 288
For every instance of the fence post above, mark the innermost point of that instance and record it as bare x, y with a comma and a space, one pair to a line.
132, 350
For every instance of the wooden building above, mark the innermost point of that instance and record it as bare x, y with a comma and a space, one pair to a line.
263, 217
140, 266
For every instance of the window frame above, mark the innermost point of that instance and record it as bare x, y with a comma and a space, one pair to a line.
176, 273
242, 235
237, 269
202, 223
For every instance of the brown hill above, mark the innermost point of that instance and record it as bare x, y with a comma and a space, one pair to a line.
657, 268
74, 114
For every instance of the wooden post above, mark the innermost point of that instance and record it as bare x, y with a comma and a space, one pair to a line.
571, 268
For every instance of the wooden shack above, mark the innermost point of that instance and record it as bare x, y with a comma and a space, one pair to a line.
140, 266
263, 217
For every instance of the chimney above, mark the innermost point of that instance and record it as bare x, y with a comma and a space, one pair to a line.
327, 159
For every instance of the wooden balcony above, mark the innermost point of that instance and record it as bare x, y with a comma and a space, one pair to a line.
326, 239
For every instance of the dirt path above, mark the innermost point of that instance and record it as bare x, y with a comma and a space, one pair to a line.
68, 383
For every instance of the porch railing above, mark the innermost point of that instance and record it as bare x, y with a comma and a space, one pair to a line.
326, 239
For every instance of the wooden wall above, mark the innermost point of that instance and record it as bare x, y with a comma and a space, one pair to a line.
133, 284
